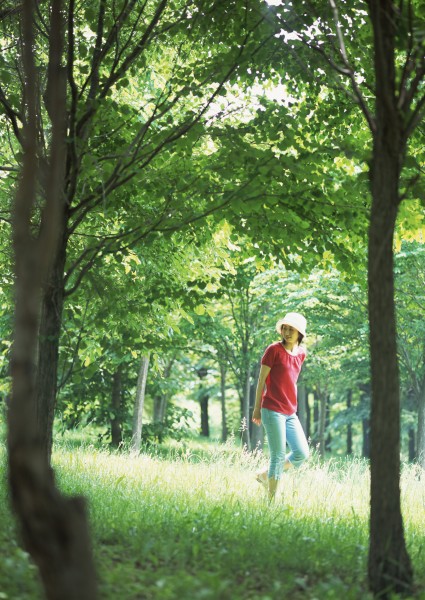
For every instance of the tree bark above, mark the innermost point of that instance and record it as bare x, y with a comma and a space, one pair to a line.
322, 423
328, 442
224, 432
139, 404
389, 564
158, 408
116, 420
246, 438
54, 528
48, 348
316, 417
160, 400
308, 415
416, 401
365, 393
412, 445
366, 438
256, 433
302, 404
420, 438
205, 421
349, 426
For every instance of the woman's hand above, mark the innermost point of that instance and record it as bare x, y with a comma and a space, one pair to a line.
256, 416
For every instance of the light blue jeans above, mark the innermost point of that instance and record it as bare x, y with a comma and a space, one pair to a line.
281, 430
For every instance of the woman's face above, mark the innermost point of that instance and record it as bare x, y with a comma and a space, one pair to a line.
290, 334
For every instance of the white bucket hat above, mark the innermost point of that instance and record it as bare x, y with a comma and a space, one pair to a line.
294, 320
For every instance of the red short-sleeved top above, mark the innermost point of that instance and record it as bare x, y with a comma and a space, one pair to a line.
280, 393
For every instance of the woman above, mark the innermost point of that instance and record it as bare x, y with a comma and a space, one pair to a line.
276, 400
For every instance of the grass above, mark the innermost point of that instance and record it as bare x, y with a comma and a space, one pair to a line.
191, 523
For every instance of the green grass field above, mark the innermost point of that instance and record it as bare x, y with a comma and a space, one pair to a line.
193, 524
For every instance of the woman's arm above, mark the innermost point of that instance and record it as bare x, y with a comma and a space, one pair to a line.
256, 413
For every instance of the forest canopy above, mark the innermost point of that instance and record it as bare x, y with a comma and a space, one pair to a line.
175, 177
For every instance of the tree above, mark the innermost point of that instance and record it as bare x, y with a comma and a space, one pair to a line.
54, 528
147, 72
241, 321
338, 359
410, 306
116, 406
149, 295
394, 78
139, 404
396, 118
241, 313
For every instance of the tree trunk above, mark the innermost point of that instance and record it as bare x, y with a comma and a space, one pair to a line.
322, 423
158, 405
256, 433
308, 415
365, 392
163, 408
412, 445
366, 438
302, 404
420, 439
116, 420
139, 403
389, 564
160, 400
53, 528
246, 438
328, 442
205, 421
224, 432
349, 426
316, 417
48, 349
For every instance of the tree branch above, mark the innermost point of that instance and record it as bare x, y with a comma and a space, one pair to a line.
111, 38
346, 70
409, 62
105, 246
123, 171
115, 76
72, 162
12, 115
65, 376
350, 70
415, 118
56, 106
97, 53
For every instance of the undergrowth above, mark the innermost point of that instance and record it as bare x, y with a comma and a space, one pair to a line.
190, 522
